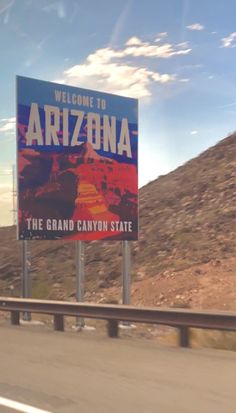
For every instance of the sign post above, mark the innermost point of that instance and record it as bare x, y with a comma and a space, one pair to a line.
26, 278
126, 272
79, 256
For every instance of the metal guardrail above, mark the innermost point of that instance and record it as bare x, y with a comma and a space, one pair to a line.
178, 318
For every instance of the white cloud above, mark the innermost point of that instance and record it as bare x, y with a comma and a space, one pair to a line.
5, 5
6, 194
5, 10
196, 26
60, 81
28, 63
191, 67
194, 132
165, 50
134, 41
7, 126
6, 205
120, 23
5, 171
13, 119
107, 69
152, 50
183, 45
42, 42
162, 78
56, 7
112, 77
228, 105
5, 188
184, 80
229, 41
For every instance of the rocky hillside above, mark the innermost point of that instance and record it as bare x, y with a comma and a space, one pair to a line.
189, 216
187, 236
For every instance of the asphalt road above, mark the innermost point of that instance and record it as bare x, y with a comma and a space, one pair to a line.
84, 373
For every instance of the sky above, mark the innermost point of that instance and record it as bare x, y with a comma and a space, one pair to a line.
176, 56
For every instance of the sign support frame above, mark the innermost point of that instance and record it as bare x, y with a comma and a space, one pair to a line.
26, 276
126, 265
79, 264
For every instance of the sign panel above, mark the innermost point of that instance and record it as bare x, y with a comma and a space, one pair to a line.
77, 163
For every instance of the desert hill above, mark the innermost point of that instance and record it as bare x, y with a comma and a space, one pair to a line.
186, 254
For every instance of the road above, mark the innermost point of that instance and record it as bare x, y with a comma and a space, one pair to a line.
87, 373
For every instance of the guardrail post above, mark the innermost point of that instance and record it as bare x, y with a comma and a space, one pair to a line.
15, 318
112, 328
184, 336
58, 322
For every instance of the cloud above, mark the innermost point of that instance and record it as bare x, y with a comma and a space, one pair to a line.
5, 5
13, 119
191, 67
56, 7
183, 45
7, 126
5, 187
6, 204
184, 80
229, 41
36, 52
194, 132
195, 27
5, 9
42, 42
119, 78
6, 194
134, 41
108, 69
138, 48
228, 105
5, 170
119, 26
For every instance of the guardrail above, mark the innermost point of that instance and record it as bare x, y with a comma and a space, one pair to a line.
179, 318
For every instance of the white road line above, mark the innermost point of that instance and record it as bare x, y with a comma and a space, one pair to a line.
20, 407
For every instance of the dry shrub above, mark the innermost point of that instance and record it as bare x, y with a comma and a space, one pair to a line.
222, 340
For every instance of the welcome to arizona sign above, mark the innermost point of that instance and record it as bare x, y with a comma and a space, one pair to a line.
77, 163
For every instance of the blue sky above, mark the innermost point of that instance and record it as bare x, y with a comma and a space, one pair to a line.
176, 56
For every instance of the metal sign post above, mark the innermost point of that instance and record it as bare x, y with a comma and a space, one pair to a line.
126, 271
79, 257
14, 194
26, 278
